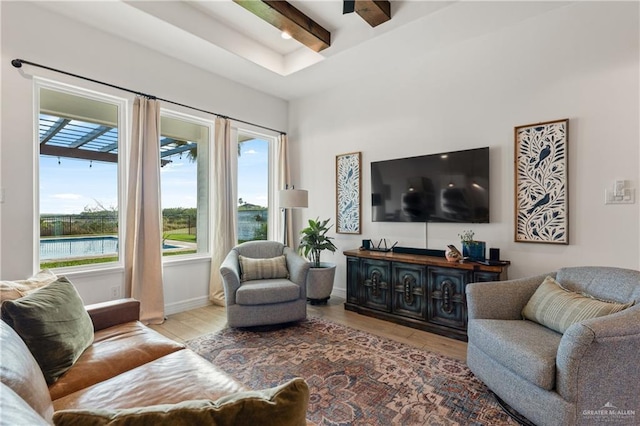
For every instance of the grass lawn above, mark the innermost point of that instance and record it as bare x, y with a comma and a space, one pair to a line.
76, 262
188, 238
175, 253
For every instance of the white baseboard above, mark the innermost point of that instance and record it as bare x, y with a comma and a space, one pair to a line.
186, 305
340, 292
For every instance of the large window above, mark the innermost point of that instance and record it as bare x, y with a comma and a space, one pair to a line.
81, 186
253, 186
79, 141
184, 177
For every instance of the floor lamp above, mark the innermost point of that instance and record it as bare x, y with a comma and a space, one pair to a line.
291, 199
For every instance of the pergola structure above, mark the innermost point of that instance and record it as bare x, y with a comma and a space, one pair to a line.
62, 137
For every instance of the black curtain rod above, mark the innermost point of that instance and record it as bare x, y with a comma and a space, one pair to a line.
18, 64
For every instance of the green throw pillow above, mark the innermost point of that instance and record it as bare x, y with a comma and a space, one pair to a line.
263, 269
54, 325
557, 308
284, 405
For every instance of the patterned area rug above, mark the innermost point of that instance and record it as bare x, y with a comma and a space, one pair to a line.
355, 378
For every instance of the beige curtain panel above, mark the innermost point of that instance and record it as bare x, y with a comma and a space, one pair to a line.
143, 246
224, 207
283, 176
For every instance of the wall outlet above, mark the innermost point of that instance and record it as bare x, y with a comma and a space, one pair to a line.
115, 292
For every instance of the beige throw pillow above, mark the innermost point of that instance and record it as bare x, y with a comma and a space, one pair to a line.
557, 308
12, 290
262, 269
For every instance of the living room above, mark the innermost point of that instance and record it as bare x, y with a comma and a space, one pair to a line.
441, 84
471, 94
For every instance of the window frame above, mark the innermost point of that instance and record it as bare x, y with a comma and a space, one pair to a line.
210, 125
273, 224
123, 105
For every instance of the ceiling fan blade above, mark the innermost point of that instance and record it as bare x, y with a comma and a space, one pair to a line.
348, 6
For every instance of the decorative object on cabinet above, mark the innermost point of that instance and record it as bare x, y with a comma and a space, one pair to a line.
424, 292
348, 185
321, 274
494, 254
452, 254
472, 249
541, 182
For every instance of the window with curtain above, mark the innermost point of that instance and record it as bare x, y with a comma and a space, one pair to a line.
79, 141
184, 183
254, 157
81, 135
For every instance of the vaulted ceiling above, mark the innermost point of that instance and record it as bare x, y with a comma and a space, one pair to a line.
229, 40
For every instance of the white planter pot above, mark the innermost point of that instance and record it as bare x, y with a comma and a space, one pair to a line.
320, 283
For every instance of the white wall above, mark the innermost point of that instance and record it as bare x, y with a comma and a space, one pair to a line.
37, 35
578, 62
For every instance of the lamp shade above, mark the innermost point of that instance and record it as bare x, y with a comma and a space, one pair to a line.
293, 198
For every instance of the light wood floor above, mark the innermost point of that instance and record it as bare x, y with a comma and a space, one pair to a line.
191, 324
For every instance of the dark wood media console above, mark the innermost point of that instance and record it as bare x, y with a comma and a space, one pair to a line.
423, 292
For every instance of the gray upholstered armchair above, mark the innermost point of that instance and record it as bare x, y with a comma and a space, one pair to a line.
590, 374
252, 300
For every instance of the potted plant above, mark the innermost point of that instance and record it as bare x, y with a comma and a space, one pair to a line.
472, 249
320, 278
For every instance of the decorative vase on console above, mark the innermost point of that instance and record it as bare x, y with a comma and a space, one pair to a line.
472, 249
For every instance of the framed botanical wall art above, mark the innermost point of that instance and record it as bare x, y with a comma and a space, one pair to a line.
348, 202
541, 182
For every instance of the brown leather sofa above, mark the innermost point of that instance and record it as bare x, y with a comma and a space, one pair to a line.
128, 365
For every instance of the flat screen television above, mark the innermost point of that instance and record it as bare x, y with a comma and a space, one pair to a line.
445, 187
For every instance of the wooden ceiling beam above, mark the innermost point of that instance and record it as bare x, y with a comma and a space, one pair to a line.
287, 18
375, 12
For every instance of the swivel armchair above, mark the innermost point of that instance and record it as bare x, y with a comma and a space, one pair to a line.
252, 296
586, 375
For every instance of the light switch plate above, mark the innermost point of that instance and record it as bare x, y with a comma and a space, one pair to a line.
628, 196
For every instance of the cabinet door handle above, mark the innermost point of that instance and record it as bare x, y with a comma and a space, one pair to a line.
375, 283
408, 282
447, 295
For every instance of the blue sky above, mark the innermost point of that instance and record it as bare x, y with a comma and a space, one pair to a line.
253, 172
68, 187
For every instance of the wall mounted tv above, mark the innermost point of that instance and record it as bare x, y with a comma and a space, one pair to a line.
445, 187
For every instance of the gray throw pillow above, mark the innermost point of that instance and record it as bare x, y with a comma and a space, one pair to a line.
54, 325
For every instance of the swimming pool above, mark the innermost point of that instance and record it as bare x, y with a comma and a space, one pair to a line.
58, 248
